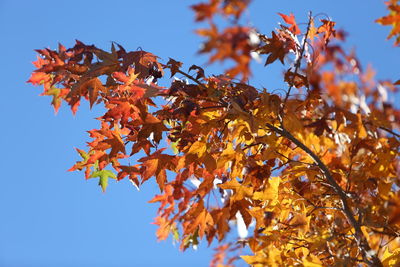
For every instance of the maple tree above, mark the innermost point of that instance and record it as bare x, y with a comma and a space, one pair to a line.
311, 175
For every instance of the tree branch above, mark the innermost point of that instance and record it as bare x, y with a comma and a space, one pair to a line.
192, 79
369, 256
389, 131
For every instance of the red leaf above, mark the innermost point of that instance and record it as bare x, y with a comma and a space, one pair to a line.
292, 21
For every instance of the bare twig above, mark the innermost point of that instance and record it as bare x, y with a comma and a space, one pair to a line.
297, 64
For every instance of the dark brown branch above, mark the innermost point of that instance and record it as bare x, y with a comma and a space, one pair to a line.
254, 144
389, 131
278, 167
295, 161
223, 129
384, 128
194, 98
369, 258
212, 107
192, 79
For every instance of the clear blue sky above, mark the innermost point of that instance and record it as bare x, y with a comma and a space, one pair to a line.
50, 217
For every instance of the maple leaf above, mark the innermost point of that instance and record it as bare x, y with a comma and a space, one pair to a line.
199, 70
233, 43
121, 77
312, 32
91, 87
115, 143
256, 260
292, 21
78, 165
270, 192
391, 259
95, 156
165, 227
106, 57
278, 46
221, 218
174, 66
108, 64
199, 148
205, 10
327, 29
156, 165
240, 191
392, 19
39, 78
235, 7
200, 219
143, 90
152, 126
132, 171
103, 177
144, 63
58, 95
298, 80
122, 110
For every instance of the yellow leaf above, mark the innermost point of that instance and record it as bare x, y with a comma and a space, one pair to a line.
255, 261
311, 261
227, 155
272, 259
391, 259
313, 141
292, 123
240, 190
270, 192
302, 252
301, 221
362, 133
198, 148
384, 189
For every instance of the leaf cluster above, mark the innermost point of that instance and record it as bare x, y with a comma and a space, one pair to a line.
311, 178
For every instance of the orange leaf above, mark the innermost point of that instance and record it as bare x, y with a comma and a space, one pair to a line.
38, 78
292, 21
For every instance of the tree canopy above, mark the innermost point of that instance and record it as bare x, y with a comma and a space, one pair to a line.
310, 174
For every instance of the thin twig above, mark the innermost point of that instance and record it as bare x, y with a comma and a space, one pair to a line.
223, 129
293, 160
278, 167
194, 98
389, 131
213, 107
297, 64
254, 144
192, 79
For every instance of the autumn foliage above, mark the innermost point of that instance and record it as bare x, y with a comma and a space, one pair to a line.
310, 176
